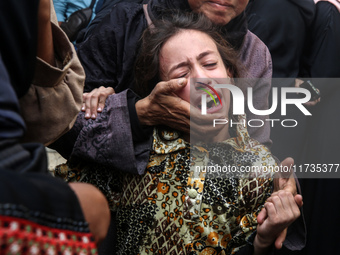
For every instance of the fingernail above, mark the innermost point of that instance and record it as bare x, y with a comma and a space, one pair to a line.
99, 109
87, 115
93, 116
181, 81
83, 108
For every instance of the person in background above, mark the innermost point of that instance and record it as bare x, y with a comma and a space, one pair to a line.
311, 43
75, 16
38, 213
285, 37
283, 26
321, 139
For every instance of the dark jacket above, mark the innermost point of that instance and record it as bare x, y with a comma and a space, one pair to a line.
283, 27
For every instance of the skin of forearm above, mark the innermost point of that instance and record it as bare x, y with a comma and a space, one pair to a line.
259, 247
45, 47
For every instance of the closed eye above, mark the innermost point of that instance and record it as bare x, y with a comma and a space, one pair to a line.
210, 65
183, 75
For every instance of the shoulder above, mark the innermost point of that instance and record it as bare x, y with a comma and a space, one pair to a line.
253, 47
252, 40
255, 58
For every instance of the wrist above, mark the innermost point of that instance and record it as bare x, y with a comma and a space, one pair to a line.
142, 107
261, 246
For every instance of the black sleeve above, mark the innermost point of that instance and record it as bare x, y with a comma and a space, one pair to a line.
139, 133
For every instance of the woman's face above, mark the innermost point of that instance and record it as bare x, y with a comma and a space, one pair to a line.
194, 55
219, 12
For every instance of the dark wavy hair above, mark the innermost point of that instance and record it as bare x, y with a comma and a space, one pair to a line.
153, 38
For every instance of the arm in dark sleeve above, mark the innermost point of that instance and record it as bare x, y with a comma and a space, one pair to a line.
13, 156
139, 133
12, 125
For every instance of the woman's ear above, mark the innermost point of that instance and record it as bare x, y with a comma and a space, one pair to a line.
230, 75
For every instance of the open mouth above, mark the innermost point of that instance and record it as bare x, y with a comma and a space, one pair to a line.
213, 98
211, 102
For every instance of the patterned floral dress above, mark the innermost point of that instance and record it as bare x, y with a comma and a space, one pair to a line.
174, 208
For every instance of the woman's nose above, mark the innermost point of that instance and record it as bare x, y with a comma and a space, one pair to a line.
200, 76
199, 72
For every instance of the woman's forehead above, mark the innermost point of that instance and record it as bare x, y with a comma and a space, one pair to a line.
189, 39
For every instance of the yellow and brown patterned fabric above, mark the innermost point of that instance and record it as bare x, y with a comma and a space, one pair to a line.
174, 208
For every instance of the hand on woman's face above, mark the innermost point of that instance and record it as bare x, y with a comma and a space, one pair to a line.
219, 11
194, 55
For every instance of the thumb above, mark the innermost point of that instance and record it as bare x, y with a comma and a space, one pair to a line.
299, 201
280, 239
181, 82
283, 178
174, 85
